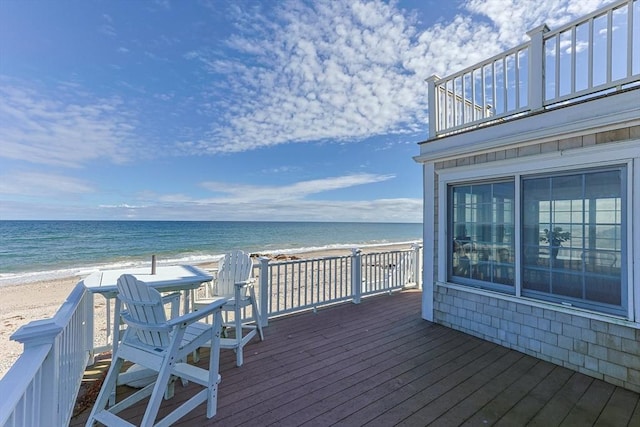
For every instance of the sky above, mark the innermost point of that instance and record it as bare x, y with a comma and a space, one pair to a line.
285, 110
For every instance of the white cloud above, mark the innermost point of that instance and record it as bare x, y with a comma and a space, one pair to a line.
252, 193
329, 71
107, 27
274, 203
29, 184
380, 210
63, 129
348, 70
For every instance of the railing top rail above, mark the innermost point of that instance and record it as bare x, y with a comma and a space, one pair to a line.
306, 260
70, 305
586, 18
547, 35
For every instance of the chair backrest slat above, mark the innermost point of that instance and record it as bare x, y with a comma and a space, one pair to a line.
237, 266
143, 304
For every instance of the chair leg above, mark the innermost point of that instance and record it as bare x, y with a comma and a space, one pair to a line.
214, 368
108, 387
256, 313
238, 325
159, 389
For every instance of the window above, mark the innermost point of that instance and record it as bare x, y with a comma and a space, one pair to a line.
482, 247
573, 238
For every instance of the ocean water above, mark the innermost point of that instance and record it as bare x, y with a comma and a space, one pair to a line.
38, 250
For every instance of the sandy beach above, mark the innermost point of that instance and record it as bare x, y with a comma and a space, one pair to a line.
26, 302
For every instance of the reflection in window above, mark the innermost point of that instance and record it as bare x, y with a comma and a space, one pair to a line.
482, 243
573, 237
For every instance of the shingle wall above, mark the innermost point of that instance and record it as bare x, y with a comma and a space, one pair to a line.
602, 349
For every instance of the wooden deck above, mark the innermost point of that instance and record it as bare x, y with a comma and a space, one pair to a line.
378, 363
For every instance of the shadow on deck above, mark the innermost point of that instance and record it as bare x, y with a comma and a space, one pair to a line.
379, 363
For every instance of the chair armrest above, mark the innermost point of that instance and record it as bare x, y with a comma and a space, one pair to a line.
194, 316
244, 283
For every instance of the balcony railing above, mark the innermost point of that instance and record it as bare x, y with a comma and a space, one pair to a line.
591, 56
41, 387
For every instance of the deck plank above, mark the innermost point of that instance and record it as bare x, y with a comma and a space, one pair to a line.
378, 363
475, 401
588, 408
502, 403
536, 399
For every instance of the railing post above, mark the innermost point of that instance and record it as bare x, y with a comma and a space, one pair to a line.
536, 67
356, 275
417, 264
38, 333
264, 290
433, 105
88, 313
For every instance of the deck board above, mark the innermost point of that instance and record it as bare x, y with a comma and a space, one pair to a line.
378, 363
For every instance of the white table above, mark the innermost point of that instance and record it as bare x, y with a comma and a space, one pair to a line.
167, 279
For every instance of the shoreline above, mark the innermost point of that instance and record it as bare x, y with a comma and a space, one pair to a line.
30, 277
24, 302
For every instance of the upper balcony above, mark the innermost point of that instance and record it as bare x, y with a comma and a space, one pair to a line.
590, 57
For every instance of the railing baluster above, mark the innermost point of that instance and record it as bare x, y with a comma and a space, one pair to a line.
591, 51
609, 45
573, 59
630, 39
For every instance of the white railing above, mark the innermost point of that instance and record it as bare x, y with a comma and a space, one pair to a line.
42, 386
588, 57
306, 284
388, 271
40, 389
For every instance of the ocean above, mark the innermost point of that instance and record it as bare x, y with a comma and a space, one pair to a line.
42, 250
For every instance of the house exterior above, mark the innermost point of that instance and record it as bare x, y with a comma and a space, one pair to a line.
532, 197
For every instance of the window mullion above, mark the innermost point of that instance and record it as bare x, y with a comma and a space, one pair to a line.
517, 206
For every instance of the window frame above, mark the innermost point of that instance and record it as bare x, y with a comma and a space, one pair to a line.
574, 301
509, 289
625, 155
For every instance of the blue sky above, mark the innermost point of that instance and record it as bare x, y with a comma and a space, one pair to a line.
233, 110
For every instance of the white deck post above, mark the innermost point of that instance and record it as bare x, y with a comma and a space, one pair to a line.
536, 67
429, 238
417, 264
433, 106
356, 275
264, 290
44, 333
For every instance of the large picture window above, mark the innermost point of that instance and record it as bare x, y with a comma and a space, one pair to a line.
572, 237
482, 247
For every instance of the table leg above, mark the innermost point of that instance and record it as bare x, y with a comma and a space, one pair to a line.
116, 324
108, 331
186, 293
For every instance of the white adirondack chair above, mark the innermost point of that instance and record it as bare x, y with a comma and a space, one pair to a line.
161, 345
233, 281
